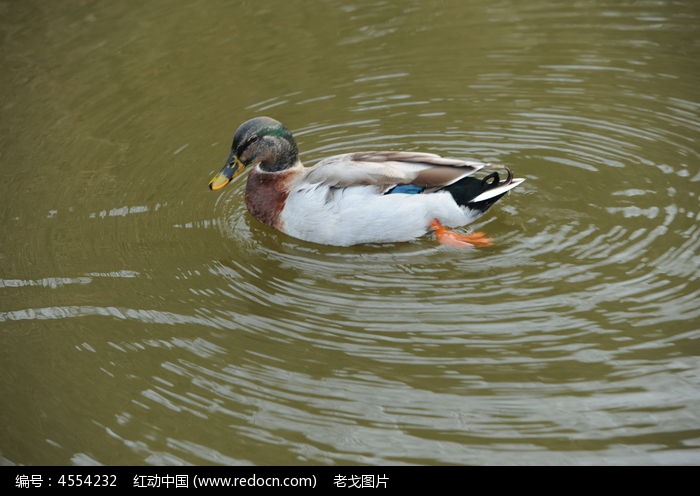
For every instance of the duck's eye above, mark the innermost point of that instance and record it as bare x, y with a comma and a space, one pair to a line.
243, 147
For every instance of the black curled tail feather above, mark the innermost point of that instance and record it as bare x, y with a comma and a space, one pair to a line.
469, 188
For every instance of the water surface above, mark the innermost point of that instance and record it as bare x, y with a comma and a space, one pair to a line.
146, 320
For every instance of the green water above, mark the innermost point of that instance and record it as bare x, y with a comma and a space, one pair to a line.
147, 320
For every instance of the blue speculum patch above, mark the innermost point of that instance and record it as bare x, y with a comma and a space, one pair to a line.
409, 189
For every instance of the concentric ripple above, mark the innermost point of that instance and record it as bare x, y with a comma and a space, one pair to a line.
588, 275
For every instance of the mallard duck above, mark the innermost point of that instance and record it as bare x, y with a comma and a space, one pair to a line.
363, 197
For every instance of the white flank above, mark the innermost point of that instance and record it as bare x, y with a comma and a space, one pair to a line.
359, 214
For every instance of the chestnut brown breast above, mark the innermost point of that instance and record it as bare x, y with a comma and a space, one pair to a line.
265, 195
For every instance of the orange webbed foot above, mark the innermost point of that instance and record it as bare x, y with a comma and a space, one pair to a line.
446, 237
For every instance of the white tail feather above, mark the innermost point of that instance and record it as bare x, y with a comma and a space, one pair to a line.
498, 190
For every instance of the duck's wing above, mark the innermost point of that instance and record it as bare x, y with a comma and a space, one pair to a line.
386, 169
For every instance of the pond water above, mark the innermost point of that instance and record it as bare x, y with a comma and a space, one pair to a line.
147, 320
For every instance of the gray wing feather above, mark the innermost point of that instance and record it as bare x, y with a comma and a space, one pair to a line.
391, 168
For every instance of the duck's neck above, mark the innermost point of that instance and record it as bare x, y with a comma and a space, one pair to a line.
282, 155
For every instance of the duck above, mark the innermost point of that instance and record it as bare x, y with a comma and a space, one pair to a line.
361, 197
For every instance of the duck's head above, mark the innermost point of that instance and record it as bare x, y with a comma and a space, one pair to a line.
260, 141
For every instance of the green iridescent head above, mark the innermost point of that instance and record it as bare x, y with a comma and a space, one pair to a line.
259, 141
